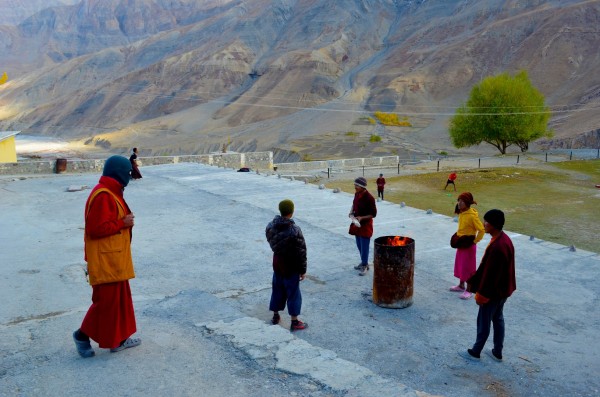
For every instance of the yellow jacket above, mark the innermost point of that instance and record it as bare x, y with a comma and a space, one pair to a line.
109, 258
470, 225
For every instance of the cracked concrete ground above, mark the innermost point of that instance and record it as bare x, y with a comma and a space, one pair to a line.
203, 283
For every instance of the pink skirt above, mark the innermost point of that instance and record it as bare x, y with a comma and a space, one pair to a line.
465, 262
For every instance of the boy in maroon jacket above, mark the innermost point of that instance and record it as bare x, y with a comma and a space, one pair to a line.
492, 284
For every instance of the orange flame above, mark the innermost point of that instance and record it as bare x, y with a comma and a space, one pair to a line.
398, 241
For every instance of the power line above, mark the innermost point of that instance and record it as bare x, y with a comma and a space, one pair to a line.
317, 108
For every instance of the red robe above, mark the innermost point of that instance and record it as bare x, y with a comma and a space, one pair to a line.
111, 318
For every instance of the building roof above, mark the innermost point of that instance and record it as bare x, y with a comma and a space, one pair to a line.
7, 134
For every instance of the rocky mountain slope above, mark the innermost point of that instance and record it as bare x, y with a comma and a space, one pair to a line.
297, 77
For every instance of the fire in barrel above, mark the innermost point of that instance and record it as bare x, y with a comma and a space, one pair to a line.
394, 268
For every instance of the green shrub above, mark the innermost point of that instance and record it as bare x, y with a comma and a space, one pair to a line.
375, 138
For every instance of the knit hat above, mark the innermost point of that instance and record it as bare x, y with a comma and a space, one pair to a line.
495, 218
360, 182
286, 207
467, 198
119, 168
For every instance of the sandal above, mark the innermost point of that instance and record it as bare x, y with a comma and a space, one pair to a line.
456, 288
129, 342
466, 295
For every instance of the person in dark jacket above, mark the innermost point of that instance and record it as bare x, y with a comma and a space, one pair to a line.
135, 171
493, 282
361, 214
289, 265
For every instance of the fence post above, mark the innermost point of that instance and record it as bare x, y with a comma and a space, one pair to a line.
518, 158
328, 172
571, 156
479, 163
398, 168
438, 165
546, 157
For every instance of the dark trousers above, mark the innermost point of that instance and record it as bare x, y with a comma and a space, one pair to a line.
491, 312
380, 193
286, 290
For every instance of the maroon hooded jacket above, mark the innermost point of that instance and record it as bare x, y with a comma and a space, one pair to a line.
495, 277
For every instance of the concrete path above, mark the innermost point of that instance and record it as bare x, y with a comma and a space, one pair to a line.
203, 285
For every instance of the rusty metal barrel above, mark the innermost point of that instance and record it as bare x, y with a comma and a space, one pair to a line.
394, 269
61, 165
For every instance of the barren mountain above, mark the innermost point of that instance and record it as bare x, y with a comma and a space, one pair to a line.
16, 11
297, 77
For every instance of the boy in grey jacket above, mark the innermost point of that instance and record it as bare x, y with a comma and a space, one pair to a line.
289, 264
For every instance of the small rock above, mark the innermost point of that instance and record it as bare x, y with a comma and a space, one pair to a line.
336, 190
429, 211
321, 186
74, 188
403, 204
572, 248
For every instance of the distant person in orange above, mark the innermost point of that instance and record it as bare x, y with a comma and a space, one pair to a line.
135, 171
380, 186
450, 181
110, 320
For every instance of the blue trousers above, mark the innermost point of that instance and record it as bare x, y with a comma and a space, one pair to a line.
362, 243
491, 312
286, 290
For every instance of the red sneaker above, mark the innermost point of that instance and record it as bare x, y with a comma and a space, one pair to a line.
298, 325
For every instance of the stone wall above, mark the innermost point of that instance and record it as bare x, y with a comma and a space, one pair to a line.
257, 161
387, 161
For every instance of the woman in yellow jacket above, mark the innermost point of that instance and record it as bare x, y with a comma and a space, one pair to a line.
470, 229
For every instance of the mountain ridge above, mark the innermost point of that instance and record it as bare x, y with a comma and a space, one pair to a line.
276, 75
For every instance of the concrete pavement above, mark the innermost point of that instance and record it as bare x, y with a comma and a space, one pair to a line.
203, 284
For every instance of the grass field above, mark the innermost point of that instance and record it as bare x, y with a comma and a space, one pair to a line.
556, 202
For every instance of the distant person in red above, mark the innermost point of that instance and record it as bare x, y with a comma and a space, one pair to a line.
135, 171
450, 181
380, 186
362, 212
110, 320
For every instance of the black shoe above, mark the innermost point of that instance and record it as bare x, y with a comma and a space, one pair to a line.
469, 355
493, 355
276, 318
